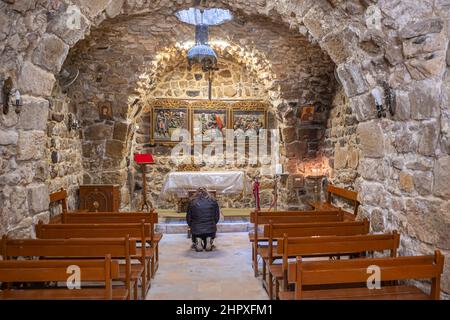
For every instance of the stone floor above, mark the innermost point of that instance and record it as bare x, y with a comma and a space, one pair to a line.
223, 274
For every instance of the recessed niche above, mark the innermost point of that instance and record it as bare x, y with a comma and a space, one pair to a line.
193, 93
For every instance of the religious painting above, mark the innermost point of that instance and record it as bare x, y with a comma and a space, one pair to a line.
249, 120
307, 114
105, 111
209, 122
166, 119
209, 119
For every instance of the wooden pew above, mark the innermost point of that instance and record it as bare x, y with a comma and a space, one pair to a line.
277, 231
327, 246
136, 231
262, 218
33, 271
60, 198
80, 248
332, 191
118, 217
354, 271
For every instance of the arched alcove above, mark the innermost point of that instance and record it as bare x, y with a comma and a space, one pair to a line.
402, 160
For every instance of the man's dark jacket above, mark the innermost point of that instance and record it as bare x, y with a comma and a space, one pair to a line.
203, 215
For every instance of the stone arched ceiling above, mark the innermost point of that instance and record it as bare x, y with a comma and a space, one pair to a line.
402, 41
140, 48
122, 60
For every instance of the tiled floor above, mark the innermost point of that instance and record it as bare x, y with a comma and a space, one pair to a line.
223, 274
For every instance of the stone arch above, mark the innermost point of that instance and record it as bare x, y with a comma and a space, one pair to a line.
143, 80
368, 44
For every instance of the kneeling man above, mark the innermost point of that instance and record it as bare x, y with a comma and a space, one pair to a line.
203, 214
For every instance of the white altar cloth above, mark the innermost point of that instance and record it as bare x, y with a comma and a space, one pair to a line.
223, 182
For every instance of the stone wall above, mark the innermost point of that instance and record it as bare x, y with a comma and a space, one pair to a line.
340, 144
23, 167
64, 146
404, 42
404, 179
231, 82
129, 61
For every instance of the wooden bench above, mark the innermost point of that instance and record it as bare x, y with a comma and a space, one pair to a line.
327, 246
342, 272
262, 218
34, 271
60, 198
136, 231
332, 191
80, 248
118, 217
277, 231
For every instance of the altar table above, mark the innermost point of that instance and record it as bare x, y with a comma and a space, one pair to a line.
178, 184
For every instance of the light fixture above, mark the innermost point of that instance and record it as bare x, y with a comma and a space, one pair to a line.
376, 94
201, 53
18, 101
388, 98
72, 123
7, 89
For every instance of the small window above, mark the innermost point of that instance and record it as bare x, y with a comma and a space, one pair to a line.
210, 17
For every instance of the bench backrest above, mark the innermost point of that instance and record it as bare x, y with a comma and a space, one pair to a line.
355, 271
297, 216
335, 246
344, 228
338, 245
81, 248
139, 231
71, 248
57, 270
84, 230
349, 195
59, 197
110, 217
263, 217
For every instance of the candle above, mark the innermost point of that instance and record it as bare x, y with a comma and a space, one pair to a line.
17, 97
278, 169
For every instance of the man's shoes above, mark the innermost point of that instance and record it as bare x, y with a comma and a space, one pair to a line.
209, 244
198, 244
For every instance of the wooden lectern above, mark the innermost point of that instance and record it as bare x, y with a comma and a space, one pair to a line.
144, 160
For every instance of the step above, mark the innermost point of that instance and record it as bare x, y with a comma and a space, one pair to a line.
222, 227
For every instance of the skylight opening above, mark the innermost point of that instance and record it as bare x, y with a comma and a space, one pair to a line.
210, 17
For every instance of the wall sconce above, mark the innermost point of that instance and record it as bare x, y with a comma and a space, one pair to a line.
73, 123
7, 92
389, 98
18, 101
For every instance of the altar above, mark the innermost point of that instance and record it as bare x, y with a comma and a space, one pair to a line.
180, 185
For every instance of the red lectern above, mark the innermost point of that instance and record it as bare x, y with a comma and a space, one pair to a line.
144, 159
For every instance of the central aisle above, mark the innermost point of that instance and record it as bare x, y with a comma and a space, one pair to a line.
223, 274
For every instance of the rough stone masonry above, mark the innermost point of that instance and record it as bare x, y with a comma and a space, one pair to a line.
329, 53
